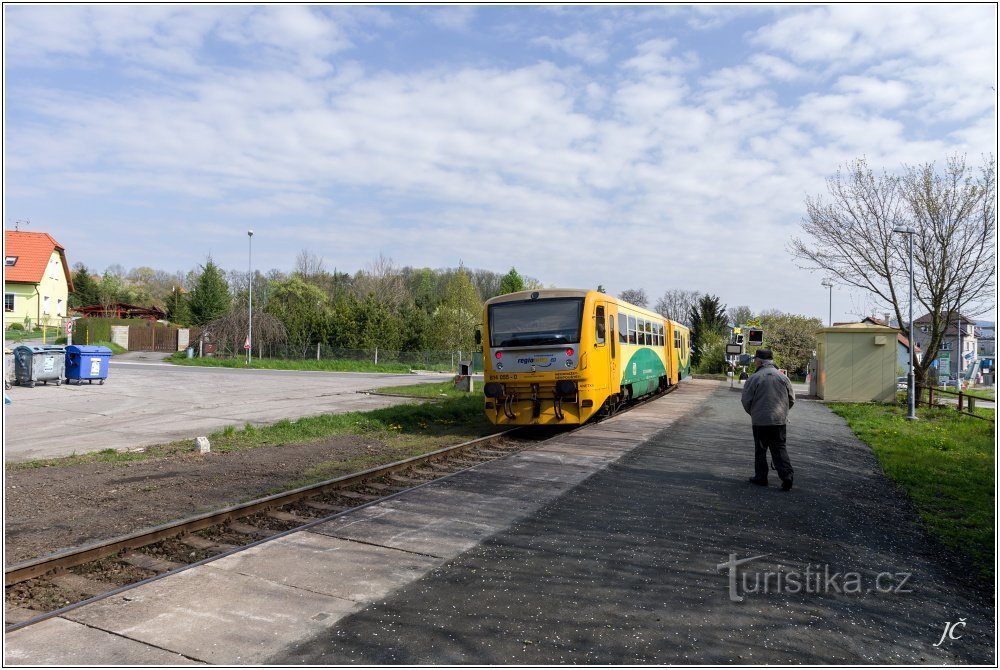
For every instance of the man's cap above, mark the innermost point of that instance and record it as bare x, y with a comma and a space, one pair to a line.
764, 355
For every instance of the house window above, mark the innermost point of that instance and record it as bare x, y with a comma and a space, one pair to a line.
45, 305
10, 261
8, 302
59, 307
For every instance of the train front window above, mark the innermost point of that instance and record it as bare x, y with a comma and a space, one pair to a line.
536, 322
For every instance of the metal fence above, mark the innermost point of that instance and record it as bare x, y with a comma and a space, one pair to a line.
419, 360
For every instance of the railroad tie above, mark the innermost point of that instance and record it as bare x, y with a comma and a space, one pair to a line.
379, 486
147, 562
281, 515
406, 480
323, 507
85, 585
247, 529
354, 495
199, 542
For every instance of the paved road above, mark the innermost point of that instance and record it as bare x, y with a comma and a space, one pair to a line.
625, 569
145, 402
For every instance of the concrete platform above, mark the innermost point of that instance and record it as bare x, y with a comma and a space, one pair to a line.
605, 546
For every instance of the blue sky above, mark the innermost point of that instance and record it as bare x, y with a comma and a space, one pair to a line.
654, 147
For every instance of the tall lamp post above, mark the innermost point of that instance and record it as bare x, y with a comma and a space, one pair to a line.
250, 293
829, 284
911, 398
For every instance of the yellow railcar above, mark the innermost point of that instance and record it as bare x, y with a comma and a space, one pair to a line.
559, 356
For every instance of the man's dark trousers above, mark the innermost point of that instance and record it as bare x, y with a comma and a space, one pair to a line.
773, 438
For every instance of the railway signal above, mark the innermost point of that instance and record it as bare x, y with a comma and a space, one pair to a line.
755, 337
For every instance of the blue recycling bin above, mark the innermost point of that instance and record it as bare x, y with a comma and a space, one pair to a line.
86, 362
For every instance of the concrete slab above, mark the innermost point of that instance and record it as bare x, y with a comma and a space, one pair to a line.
327, 565
216, 616
425, 534
59, 642
484, 506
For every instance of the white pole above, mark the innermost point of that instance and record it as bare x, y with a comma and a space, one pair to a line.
250, 296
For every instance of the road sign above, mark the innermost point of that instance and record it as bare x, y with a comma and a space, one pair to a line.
734, 349
753, 323
246, 344
69, 326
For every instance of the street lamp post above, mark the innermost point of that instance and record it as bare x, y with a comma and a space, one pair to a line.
829, 284
911, 397
250, 296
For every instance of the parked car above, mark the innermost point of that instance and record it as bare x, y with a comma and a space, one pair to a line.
901, 383
949, 382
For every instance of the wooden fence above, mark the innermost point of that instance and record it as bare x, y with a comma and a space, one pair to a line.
151, 338
966, 401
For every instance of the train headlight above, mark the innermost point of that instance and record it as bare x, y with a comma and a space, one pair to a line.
569, 362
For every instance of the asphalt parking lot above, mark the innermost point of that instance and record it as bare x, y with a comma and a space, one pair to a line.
146, 402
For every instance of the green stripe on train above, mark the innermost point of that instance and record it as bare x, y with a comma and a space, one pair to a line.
643, 372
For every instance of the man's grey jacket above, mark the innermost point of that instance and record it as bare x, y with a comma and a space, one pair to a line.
767, 396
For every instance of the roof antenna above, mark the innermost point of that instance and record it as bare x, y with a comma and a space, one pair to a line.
18, 222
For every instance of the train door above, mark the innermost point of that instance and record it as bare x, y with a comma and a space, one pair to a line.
603, 343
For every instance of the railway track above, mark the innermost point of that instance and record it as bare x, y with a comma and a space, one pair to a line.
50, 585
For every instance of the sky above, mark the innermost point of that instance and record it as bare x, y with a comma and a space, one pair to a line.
654, 147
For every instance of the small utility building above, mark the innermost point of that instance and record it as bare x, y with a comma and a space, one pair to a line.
856, 362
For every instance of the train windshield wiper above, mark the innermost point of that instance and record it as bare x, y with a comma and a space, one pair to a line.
534, 341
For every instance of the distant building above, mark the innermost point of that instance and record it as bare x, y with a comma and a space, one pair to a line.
36, 280
986, 336
950, 359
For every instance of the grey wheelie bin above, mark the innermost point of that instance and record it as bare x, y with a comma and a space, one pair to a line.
86, 362
38, 363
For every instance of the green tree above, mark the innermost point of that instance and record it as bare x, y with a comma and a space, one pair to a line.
511, 282
303, 309
177, 307
707, 316
210, 297
791, 337
85, 290
456, 318
713, 353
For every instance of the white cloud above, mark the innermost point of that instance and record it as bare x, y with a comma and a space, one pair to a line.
580, 45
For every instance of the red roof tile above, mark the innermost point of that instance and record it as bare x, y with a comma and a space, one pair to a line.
33, 251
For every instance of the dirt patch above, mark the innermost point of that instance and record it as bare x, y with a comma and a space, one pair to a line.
53, 508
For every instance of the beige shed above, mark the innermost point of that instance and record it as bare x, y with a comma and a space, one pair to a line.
856, 362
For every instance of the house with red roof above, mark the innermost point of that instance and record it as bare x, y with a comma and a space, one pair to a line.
36, 279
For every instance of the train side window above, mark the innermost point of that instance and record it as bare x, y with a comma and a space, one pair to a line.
677, 340
641, 330
649, 333
601, 325
622, 328
631, 331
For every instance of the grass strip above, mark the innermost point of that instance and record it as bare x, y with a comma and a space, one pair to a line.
433, 390
323, 365
946, 464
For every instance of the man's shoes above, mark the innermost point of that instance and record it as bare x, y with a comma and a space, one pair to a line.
758, 482
786, 484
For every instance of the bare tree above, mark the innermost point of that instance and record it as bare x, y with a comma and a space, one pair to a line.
230, 331
636, 296
851, 239
384, 281
308, 266
738, 316
676, 304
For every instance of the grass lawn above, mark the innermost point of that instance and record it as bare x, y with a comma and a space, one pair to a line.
945, 462
323, 365
437, 391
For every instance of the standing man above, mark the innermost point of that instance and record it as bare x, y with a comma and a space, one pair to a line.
767, 397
